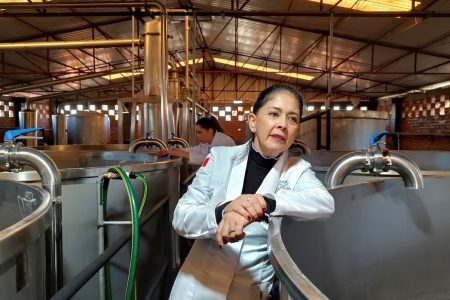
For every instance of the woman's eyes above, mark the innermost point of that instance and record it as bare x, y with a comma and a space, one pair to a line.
291, 119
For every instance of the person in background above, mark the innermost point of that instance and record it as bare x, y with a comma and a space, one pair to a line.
236, 191
209, 134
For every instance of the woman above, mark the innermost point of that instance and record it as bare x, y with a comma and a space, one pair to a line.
226, 208
209, 134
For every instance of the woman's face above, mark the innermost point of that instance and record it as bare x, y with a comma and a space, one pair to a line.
276, 124
204, 136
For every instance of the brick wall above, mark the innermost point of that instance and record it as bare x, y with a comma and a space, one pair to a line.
426, 122
232, 117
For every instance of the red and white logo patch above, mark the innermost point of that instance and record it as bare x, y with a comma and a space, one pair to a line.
205, 162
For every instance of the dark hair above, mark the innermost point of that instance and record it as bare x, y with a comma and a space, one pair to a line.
208, 123
269, 92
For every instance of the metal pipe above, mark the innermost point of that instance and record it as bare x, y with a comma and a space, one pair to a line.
65, 80
301, 146
367, 161
232, 13
408, 169
146, 142
12, 158
44, 45
343, 166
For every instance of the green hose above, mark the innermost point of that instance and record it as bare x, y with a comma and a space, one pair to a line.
135, 214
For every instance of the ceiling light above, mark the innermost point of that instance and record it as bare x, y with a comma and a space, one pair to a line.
261, 68
373, 5
438, 85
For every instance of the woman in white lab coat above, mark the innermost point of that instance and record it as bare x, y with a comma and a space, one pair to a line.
234, 194
209, 134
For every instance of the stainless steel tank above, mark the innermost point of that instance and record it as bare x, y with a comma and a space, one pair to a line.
59, 129
88, 128
383, 242
25, 216
28, 119
350, 130
79, 173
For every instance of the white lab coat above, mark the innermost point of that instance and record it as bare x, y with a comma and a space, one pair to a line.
198, 153
241, 270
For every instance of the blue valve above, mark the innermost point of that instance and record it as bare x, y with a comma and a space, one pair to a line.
10, 135
377, 136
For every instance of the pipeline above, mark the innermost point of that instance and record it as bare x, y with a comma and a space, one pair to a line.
12, 158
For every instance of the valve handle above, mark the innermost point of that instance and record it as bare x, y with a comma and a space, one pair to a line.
377, 136
10, 135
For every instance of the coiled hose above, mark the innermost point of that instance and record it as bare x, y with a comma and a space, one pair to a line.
135, 215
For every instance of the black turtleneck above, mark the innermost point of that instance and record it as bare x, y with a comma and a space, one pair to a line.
257, 169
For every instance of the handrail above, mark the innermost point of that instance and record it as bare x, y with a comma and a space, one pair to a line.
88, 272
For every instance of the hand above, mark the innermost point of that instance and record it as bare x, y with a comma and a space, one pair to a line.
162, 152
231, 228
250, 206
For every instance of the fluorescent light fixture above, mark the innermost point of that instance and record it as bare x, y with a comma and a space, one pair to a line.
363, 108
221, 113
228, 118
322, 107
6, 108
92, 107
190, 62
61, 111
67, 107
336, 107
228, 108
111, 112
11, 104
261, 68
80, 107
11, 114
240, 118
2, 103
116, 117
240, 108
372, 5
215, 108
237, 101
141, 71
435, 86
104, 107
2, 113
116, 107
73, 111
349, 107
310, 108
123, 74
99, 111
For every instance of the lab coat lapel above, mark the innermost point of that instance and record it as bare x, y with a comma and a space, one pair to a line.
236, 179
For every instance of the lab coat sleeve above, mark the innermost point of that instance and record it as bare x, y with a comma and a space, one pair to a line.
197, 154
194, 216
308, 200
